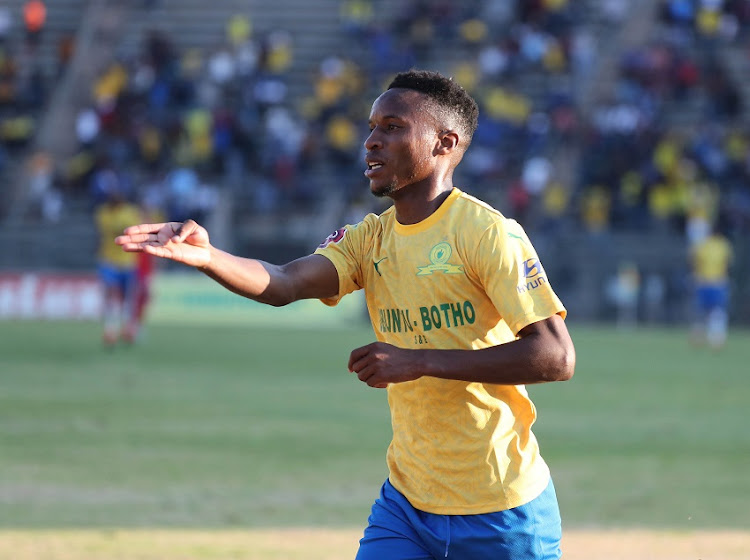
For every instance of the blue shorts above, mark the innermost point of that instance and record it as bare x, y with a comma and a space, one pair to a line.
122, 279
711, 296
397, 531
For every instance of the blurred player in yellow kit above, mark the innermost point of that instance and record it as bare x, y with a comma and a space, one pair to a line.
464, 317
711, 259
117, 269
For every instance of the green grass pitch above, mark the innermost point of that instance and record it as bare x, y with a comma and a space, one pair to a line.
252, 426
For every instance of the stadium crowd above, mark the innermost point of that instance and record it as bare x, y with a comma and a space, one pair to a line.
172, 127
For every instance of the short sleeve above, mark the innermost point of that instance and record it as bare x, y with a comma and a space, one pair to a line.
345, 248
513, 277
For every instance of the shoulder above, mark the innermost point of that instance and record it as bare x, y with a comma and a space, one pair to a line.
476, 212
363, 229
372, 225
485, 221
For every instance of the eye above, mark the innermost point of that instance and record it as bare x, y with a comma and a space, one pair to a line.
392, 127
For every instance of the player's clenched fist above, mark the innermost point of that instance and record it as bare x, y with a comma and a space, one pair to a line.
183, 242
379, 364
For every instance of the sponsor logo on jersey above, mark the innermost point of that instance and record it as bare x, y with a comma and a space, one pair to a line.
447, 315
532, 268
395, 320
534, 274
440, 316
335, 237
440, 254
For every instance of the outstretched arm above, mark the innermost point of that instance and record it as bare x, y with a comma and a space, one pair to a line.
312, 276
543, 352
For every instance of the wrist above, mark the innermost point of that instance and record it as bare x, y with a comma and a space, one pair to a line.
426, 365
207, 267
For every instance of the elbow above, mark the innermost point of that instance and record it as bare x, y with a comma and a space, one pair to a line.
278, 300
559, 364
565, 363
276, 297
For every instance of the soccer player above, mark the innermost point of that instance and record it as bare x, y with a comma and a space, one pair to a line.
711, 259
117, 270
464, 318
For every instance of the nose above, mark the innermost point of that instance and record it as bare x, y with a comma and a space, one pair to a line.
373, 140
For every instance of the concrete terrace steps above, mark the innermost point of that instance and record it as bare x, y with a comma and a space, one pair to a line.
314, 27
63, 17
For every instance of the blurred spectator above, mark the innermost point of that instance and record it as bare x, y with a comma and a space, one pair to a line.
221, 66
239, 29
39, 197
623, 291
6, 25
65, 50
87, 128
34, 19
613, 11
654, 293
277, 52
182, 189
356, 17
8, 75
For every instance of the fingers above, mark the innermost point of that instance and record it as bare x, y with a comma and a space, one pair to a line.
363, 363
144, 233
130, 247
158, 251
369, 375
135, 238
161, 233
145, 228
183, 230
357, 355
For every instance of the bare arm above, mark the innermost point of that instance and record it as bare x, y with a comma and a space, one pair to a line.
313, 276
544, 352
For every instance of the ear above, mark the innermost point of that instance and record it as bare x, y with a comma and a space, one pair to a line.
447, 142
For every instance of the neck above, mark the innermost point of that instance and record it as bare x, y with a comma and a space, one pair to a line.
415, 205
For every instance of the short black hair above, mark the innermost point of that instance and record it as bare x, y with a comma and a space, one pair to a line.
447, 94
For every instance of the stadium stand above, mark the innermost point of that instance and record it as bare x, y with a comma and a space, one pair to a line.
613, 130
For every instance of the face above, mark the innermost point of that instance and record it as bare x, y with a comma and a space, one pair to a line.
402, 142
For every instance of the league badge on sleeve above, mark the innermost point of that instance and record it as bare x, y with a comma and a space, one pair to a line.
335, 237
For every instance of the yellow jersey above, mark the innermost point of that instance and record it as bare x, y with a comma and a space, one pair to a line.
711, 259
111, 220
466, 277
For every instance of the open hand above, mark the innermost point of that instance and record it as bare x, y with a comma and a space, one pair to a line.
182, 242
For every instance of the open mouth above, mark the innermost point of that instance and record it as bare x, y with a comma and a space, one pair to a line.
372, 167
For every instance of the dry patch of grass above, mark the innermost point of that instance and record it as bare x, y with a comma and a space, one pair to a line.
339, 544
655, 545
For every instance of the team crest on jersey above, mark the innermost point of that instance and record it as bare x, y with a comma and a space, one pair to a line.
440, 254
335, 237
